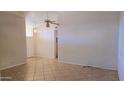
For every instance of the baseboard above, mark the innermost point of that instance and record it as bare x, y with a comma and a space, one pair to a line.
42, 57
12, 66
72, 63
31, 57
88, 65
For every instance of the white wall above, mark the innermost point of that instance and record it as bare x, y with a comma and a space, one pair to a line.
29, 38
121, 48
45, 41
12, 40
89, 38
30, 49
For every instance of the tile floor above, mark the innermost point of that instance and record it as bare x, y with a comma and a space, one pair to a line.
39, 69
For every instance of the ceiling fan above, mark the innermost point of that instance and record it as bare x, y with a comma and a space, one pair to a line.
48, 21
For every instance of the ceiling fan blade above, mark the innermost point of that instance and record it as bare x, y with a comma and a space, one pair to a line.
41, 20
54, 23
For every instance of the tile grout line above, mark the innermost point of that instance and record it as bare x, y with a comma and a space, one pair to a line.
53, 74
43, 70
34, 69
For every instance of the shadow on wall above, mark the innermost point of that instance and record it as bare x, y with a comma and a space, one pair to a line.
13, 40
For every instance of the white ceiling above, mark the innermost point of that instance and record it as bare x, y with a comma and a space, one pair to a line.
39, 16
35, 17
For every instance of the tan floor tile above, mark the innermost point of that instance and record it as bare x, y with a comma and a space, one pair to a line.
49, 69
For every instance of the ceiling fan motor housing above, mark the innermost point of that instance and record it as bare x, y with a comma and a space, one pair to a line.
47, 24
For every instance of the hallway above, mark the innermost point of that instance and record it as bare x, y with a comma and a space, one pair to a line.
39, 69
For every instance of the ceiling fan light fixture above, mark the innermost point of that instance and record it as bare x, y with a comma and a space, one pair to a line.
47, 24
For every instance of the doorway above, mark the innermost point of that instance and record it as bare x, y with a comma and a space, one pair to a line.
43, 40
56, 42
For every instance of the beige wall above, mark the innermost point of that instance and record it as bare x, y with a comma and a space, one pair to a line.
0, 76
89, 38
12, 40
